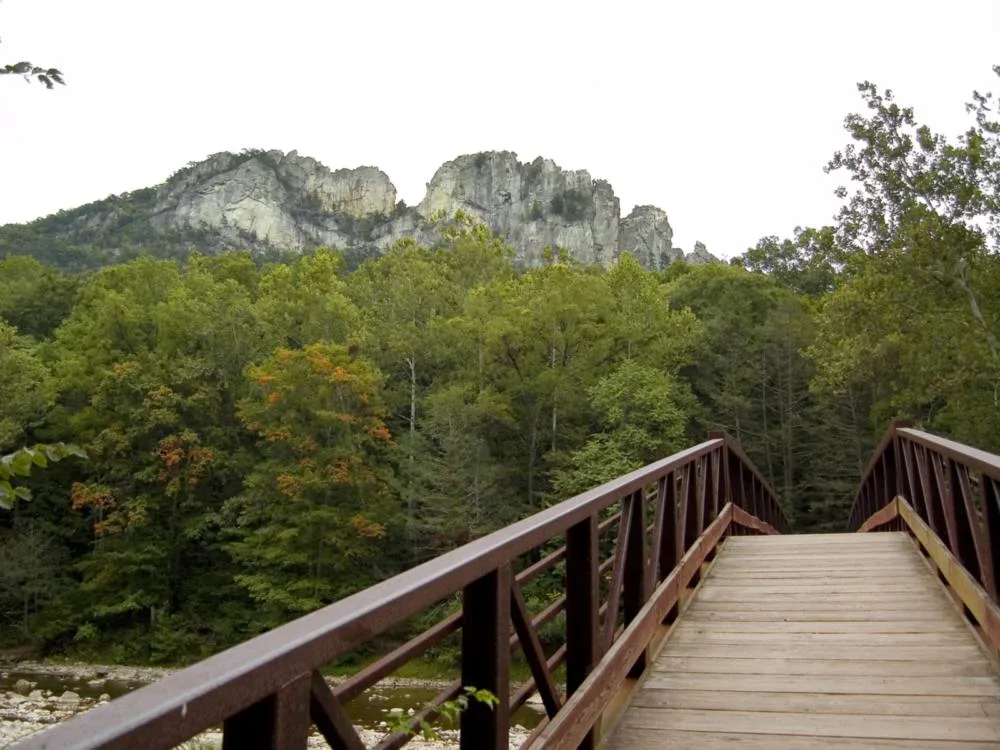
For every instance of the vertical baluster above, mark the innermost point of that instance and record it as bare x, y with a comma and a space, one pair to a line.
486, 659
991, 525
734, 480
664, 538
716, 459
914, 491
582, 601
689, 506
971, 545
946, 495
701, 475
636, 591
935, 511
878, 485
745, 499
725, 455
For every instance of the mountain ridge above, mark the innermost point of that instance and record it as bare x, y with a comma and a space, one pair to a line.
272, 202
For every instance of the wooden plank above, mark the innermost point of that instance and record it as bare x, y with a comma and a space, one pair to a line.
847, 555
959, 650
974, 667
779, 630
826, 540
630, 738
823, 703
808, 637
757, 565
749, 567
704, 614
841, 554
817, 643
965, 729
921, 609
887, 599
722, 589
742, 683
769, 574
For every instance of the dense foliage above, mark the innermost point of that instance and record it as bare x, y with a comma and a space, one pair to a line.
263, 439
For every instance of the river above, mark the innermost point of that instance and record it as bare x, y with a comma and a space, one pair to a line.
31, 694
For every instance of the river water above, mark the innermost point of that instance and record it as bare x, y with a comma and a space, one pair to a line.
367, 710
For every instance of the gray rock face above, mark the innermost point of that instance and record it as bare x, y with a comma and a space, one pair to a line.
700, 255
272, 199
646, 234
534, 205
267, 201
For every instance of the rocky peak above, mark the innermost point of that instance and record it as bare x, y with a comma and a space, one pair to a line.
269, 198
700, 255
534, 205
646, 233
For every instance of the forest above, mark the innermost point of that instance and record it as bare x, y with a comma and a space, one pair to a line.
262, 438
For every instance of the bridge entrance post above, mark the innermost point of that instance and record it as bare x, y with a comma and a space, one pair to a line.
582, 602
486, 659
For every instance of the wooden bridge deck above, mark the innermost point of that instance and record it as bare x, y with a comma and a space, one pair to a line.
830, 641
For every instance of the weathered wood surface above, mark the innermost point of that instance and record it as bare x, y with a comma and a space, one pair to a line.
833, 641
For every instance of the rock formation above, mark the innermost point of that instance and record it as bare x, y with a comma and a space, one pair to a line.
269, 201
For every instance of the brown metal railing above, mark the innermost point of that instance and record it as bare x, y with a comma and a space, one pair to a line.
947, 496
267, 692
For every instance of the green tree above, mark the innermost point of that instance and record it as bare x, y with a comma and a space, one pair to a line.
24, 385
149, 367
307, 301
916, 318
315, 512
642, 416
748, 373
34, 299
807, 264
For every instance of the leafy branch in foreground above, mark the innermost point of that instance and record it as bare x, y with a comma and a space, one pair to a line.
449, 713
49, 77
20, 462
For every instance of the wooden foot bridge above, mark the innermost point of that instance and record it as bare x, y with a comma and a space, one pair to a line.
688, 619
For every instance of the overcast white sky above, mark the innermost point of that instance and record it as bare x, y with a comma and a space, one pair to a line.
721, 113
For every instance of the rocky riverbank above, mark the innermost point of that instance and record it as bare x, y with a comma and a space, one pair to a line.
35, 700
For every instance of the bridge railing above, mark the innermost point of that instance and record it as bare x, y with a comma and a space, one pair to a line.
947, 496
622, 580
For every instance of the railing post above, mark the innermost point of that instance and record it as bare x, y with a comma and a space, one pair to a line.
486, 659
636, 589
991, 527
278, 722
899, 469
727, 455
582, 602
668, 555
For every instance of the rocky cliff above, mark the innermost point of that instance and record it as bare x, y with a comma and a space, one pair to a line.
270, 201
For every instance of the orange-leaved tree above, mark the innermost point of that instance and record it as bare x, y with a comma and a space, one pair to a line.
313, 519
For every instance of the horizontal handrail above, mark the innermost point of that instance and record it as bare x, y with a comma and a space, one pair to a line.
267, 690
947, 496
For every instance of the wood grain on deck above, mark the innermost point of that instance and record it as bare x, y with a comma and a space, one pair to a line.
822, 641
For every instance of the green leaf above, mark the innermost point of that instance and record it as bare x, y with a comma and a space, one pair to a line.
21, 462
